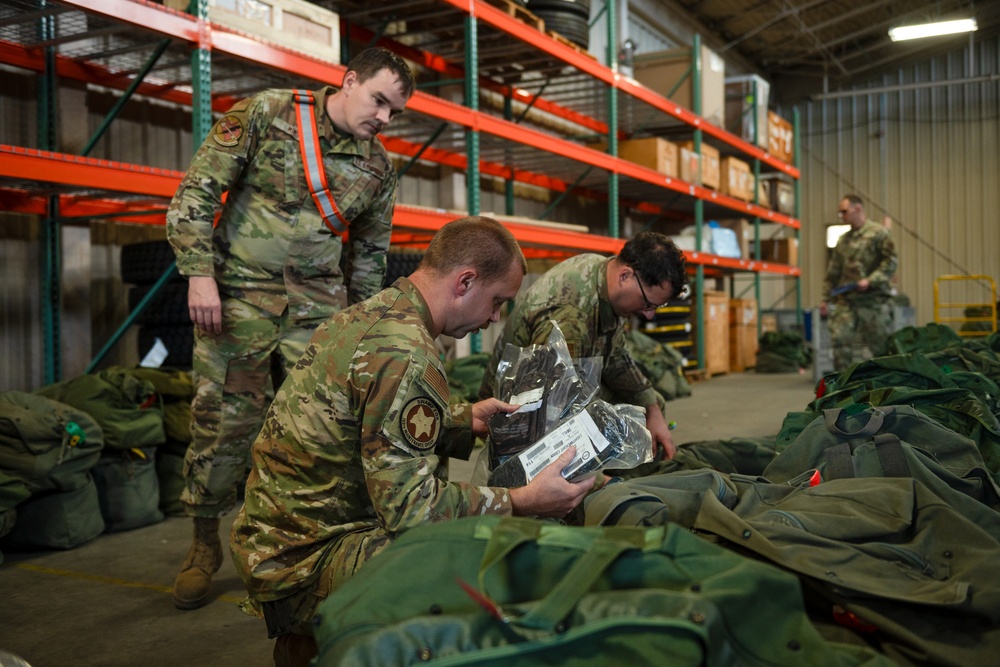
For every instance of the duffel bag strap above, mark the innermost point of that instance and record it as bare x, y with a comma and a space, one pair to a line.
839, 463
890, 455
876, 417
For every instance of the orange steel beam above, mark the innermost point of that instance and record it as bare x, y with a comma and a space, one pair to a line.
210, 36
67, 68
444, 66
499, 19
73, 206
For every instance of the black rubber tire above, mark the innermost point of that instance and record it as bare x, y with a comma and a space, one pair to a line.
170, 306
179, 340
577, 7
144, 263
400, 264
570, 26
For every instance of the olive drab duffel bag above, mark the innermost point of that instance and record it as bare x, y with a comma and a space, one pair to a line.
46, 444
492, 590
128, 489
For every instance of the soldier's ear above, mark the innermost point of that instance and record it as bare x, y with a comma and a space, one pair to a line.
465, 281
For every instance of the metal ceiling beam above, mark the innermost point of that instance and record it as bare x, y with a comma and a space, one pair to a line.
767, 24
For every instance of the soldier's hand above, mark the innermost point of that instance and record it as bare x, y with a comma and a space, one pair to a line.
484, 410
863, 285
204, 304
548, 495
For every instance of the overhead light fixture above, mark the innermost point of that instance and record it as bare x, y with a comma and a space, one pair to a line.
932, 29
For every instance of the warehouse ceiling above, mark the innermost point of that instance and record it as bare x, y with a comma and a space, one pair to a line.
809, 44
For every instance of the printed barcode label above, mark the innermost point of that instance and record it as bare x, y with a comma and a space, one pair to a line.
579, 430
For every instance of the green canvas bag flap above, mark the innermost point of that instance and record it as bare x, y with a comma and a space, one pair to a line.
856, 443
498, 591
929, 338
46, 444
126, 407
56, 520
176, 391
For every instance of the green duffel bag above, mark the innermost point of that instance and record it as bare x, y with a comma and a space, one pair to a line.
512, 591
128, 489
56, 520
46, 444
170, 473
932, 337
126, 407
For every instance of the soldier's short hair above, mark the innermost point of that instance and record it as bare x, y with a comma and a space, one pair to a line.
475, 241
370, 62
855, 200
655, 258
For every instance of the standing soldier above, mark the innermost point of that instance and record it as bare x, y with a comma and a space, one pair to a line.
299, 167
857, 284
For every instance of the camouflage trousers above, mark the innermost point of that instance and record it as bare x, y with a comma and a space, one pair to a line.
233, 389
341, 561
858, 330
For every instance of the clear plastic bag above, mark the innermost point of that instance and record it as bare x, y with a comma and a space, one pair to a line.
548, 385
605, 436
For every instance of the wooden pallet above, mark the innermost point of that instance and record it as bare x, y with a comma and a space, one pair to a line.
696, 374
520, 13
562, 40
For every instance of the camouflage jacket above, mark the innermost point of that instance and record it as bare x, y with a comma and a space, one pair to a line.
356, 438
575, 295
868, 252
271, 247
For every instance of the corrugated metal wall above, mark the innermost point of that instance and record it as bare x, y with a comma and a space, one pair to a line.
920, 146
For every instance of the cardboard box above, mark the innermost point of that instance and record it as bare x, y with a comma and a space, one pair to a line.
651, 152
296, 24
746, 108
736, 179
780, 137
709, 160
716, 328
780, 195
780, 251
742, 334
663, 70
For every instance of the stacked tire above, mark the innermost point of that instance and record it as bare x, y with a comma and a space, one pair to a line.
569, 18
166, 317
400, 264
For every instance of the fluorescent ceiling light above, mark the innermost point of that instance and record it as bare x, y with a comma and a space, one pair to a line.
932, 29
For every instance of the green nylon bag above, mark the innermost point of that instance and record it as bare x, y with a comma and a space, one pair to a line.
126, 408
510, 591
46, 444
128, 489
56, 520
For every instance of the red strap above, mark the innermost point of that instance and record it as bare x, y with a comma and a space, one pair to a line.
305, 116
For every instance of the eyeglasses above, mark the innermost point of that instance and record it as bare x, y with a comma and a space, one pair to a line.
649, 304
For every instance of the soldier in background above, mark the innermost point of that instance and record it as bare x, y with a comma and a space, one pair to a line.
276, 265
590, 296
857, 285
354, 448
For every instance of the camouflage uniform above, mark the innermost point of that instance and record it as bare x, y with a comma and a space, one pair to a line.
279, 269
352, 453
860, 319
575, 295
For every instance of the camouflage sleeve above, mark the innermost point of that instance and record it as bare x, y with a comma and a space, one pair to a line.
403, 472
622, 375
885, 253
457, 439
833, 271
215, 168
368, 242
574, 325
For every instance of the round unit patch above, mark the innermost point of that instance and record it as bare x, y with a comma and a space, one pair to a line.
420, 422
228, 131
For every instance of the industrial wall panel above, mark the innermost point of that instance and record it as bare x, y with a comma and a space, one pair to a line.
921, 146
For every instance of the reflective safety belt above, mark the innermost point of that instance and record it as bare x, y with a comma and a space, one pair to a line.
305, 116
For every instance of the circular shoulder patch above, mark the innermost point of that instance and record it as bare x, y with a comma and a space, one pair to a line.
420, 422
228, 131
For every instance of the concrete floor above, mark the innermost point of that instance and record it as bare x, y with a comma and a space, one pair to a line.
107, 603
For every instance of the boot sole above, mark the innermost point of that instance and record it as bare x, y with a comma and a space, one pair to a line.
191, 604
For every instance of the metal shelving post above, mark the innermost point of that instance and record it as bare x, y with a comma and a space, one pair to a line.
51, 234
613, 184
699, 205
472, 136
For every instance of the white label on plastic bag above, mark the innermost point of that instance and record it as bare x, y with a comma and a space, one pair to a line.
528, 400
580, 431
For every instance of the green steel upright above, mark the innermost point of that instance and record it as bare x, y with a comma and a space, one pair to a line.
472, 136
50, 244
201, 82
612, 56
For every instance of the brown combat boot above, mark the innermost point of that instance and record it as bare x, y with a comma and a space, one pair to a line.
192, 585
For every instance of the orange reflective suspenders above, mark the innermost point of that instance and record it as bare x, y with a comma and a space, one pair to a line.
305, 116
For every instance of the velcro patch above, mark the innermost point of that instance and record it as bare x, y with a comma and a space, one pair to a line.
420, 422
228, 131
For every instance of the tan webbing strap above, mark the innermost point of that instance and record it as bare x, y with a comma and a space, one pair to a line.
305, 116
